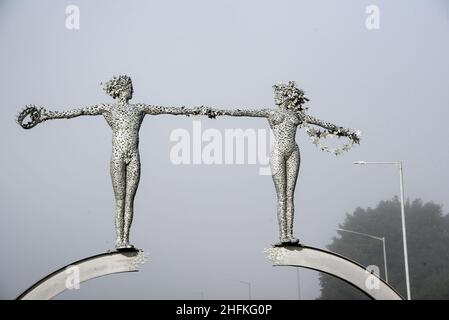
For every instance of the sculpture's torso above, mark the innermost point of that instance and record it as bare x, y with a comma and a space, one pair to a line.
284, 124
125, 122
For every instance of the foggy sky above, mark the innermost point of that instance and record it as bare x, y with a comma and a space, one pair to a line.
202, 225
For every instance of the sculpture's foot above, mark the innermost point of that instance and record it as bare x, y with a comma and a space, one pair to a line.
121, 244
294, 240
285, 242
124, 246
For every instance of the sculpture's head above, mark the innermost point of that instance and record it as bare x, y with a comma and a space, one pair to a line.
120, 87
288, 96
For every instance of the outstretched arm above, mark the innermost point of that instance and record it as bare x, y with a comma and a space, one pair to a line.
332, 128
210, 112
323, 124
156, 110
39, 115
213, 113
94, 110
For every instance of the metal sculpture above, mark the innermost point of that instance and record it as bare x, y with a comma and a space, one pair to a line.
285, 157
125, 120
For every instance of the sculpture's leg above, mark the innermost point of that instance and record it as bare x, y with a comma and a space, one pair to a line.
118, 176
292, 176
132, 182
278, 171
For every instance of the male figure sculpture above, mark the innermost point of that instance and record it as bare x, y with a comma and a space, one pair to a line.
285, 157
125, 120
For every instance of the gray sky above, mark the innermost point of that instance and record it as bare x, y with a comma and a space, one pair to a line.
200, 224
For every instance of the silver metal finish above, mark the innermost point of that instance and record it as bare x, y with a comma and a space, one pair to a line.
125, 120
285, 156
93, 267
333, 264
404, 230
385, 258
376, 238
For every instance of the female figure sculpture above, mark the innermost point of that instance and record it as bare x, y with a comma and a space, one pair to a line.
125, 120
285, 157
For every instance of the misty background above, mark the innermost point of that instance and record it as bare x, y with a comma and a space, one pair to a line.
202, 225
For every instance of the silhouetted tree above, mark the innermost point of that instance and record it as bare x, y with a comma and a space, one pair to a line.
428, 249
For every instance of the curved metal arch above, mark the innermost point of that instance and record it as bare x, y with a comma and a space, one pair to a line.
127, 260
334, 264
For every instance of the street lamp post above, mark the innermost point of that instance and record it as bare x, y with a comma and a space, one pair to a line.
377, 238
385, 259
404, 232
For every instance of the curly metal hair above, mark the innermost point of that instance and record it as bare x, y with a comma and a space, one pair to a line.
117, 85
289, 92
